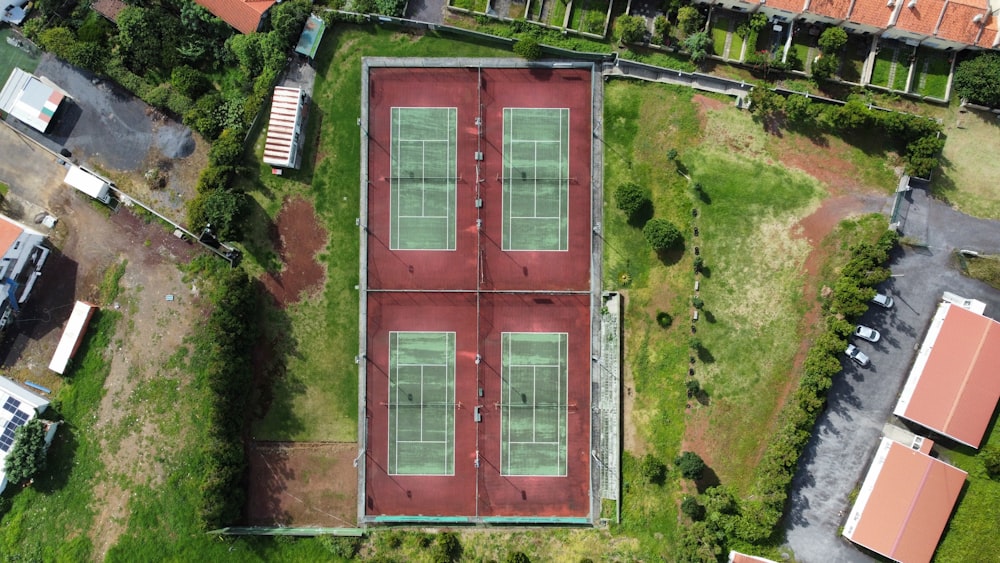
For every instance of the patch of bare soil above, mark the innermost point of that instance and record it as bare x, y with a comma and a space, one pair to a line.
297, 238
706, 104
302, 484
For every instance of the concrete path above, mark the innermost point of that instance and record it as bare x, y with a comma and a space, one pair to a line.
430, 11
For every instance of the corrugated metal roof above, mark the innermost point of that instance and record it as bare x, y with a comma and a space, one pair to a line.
286, 112
904, 503
954, 386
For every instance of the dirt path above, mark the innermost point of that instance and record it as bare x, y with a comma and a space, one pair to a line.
297, 238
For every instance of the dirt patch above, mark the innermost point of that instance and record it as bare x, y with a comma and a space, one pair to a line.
706, 104
297, 237
302, 484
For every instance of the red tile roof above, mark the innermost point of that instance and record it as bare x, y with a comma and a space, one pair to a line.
244, 15
922, 18
953, 388
904, 503
836, 9
9, 231
957, 24
872, 12
989, 35
787, 5
109, 8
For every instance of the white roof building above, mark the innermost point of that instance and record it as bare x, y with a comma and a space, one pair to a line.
17, 407
32, 100
281, 148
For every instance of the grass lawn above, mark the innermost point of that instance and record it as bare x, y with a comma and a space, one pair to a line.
902, 74
317, 399
589, 16
853, 57
720, 29
883, 66
932, 72
11, 56
972, 528
557, 12
736, 47
968, 180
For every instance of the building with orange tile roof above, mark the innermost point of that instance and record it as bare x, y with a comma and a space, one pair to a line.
960, 25
953, 386
869, 16
826, 11
904, 503
737, 557
245, 15
782, 10
990, 37
914, 20
22, 255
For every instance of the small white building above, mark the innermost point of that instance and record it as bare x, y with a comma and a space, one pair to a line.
32, 100
284, 128
90, 183
23, 255
17, 407
76, 328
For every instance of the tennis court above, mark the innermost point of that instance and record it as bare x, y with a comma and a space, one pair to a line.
533, 404
423, 178
536, 178
421, 403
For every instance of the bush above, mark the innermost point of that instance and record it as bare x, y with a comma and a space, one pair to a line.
447, 548
689, 19
516, 557
661, 28
697, 302
832, 40
631, 198
664, 319
227, 150
991, 461
189, 81
392, 8
27, 456
699, 263
221, 209
630, 29
698, 45
825, 67
652, 470
528, 49
692, 509
693, 387
690, 465
799, 109
978, 79
661, 234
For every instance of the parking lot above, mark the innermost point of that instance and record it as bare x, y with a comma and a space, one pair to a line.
862, 399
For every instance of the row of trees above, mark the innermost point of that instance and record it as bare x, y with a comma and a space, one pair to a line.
755, 519
918, 138
634, 200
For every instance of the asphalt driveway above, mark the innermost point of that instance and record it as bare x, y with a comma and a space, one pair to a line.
861, 399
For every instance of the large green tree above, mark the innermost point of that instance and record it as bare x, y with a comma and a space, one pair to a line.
978, 79
147, 37
27, 457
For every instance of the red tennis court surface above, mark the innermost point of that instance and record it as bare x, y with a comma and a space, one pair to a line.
477, 291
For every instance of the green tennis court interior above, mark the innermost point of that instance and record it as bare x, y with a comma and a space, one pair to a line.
535, 178
423, 179
534, 403
422, 403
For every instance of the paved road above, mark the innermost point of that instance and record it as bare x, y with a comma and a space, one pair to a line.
431, 11
861, 400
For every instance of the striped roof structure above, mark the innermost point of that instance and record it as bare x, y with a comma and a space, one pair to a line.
280, 147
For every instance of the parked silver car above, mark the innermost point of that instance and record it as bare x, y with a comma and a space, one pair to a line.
883, 300
857, 355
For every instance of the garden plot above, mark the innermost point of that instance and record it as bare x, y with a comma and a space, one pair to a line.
931, 73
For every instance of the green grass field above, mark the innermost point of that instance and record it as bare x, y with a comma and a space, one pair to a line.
902, 74
883, 66
720, 29
932, 69
557, 12
13, 57
972, 528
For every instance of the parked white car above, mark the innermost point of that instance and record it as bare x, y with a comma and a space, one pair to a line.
883, 300
869, 334
857, 355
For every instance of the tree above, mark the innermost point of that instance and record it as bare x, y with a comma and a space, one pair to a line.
661, 29
652, 470
698, 543
798, 109
392, 8
447, 548
978, 79
528, 48
692, 509
690, 465
765, 102
630, 29
661, 234
220, 208
631, 198
147, 38
698, 44
189, 81
825, 67
516, 557
689, 19
991, 461
288, 18
226, 150
832, 40
27, 457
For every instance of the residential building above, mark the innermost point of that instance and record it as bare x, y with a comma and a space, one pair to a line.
33, 100
24, 254
17, 407
247, 16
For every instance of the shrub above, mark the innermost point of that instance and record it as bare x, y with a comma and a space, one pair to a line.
528, 49
516, 557
799, 109
690, 465
661, 234
664, 319
227, 150
991, 461
189, 81
693, 387
698, 45
631, 198
447, 548
825, 67
978, 79
652, 470
699, 263
832, 40
661, 28
689, 19
392, 8
692, 509
697, 302
222, 209
630, 29
27, 456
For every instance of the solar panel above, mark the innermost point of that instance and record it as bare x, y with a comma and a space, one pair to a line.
20, 417
8, 432
11, 404
4, 446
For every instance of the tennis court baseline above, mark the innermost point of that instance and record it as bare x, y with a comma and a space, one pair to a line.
421, 403
536, 178
533, 403
423, 178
